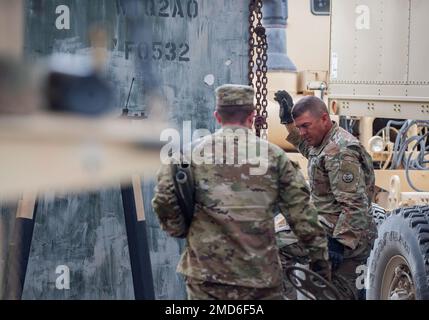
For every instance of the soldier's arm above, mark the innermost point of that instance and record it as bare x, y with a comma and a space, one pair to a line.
299, 212
166, 206
294, 138
347, 181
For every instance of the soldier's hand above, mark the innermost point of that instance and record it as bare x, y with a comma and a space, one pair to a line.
286, 103
336, 253
322, 268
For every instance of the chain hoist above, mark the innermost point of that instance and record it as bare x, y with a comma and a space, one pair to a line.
258, 57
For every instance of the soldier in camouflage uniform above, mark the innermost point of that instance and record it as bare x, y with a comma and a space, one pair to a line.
231, 250
341, 182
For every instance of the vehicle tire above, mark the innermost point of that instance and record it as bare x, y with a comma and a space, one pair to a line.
378, 213
398, 266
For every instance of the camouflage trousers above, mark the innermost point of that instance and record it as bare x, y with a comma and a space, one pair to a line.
345, 278
203, 290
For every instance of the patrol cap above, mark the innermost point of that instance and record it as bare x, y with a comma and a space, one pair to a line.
233, 95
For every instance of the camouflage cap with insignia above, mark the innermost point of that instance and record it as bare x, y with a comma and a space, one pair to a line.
233, 95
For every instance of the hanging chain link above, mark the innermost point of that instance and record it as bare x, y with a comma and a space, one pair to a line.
258, 47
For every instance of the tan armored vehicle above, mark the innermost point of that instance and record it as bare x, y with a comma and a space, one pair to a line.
378, 86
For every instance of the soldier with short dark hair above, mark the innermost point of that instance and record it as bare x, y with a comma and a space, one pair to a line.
341, 180
231, 250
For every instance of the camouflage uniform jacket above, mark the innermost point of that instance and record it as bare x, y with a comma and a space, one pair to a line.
231, 238
342, 185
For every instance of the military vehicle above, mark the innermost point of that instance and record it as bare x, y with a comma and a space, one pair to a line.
378, 86
379, 74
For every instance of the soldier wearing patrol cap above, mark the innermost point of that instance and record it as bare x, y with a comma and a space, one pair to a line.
341, 181
231, 251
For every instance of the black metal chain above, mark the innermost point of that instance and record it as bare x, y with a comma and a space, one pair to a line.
258, 47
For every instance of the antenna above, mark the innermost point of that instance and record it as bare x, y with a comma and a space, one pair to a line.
125, 110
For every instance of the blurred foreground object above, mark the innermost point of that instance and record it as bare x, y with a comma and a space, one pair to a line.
45, 152
11, 27
74, 86
69, 84
20, 90
50, 140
